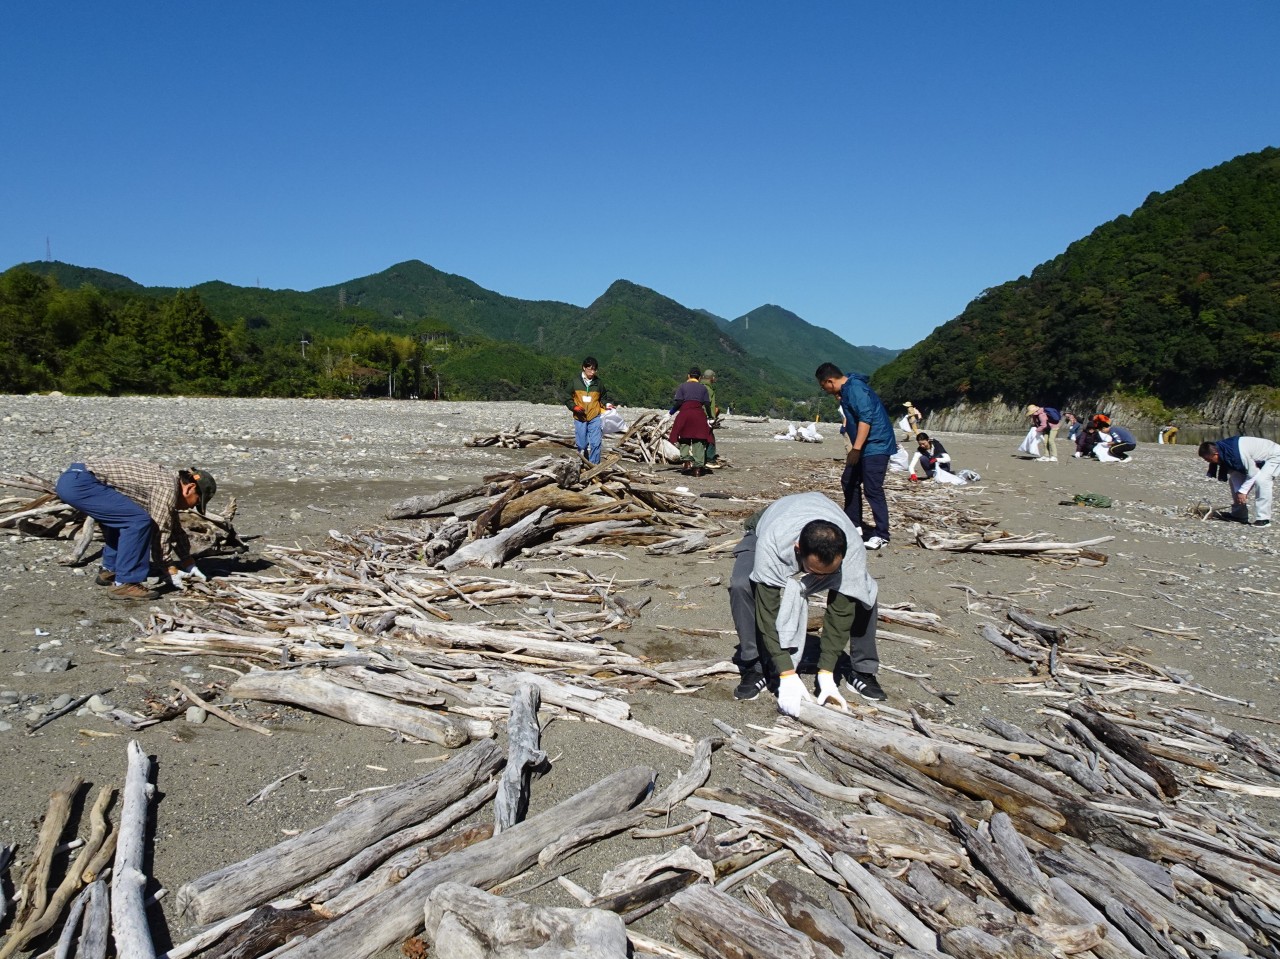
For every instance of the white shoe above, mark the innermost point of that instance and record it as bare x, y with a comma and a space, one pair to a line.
1042, 459
875, 542
1051, 459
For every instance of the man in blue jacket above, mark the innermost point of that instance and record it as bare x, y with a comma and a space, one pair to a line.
873, 442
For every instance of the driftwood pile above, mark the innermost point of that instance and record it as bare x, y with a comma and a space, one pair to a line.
868, 834
552, 507
518, 438
211, 534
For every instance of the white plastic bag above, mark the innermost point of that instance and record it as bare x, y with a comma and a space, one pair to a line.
1031, 445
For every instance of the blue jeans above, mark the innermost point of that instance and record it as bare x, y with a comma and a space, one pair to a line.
589, 437
127, 528
867, 476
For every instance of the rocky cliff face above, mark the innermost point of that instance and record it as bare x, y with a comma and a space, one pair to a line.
1226, 412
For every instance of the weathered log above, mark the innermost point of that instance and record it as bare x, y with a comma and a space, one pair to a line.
97, 922
71, 883
692, 778
310, 690
1047, 632
424, 505
1128, 746
717, 926
888, 909
492, 551
396, 913
1059, 760
368, 859
266, 929
463, 922
998, 640
67, 937
305, 856
807, 915
33, 891
552, 497
128, 908
524, 755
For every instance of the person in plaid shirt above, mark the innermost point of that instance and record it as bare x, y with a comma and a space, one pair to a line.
136, 504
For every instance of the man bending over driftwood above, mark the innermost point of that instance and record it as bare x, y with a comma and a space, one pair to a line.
137, 505
802, 544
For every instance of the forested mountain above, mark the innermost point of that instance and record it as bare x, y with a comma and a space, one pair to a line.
409, 330
1178, 298
799, 347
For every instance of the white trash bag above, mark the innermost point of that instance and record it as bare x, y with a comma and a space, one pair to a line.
1031, 445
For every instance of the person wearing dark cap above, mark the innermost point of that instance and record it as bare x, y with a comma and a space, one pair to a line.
136, 504
709, 381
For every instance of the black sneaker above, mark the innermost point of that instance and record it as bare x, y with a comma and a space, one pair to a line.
752, 685
1262, 522
866, 685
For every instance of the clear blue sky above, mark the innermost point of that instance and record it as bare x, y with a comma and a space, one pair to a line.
871, 167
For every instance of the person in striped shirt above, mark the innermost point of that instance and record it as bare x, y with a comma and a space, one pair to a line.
136, 505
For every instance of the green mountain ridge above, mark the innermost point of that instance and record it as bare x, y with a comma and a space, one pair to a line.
1169, 303
411, 324
794, 343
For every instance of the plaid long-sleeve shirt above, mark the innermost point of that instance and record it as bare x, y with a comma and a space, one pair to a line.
155, 489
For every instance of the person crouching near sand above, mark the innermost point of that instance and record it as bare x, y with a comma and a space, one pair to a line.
800, 545
930, 456
136, 504
1249, 463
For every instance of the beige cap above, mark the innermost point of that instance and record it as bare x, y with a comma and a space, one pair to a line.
1032, 410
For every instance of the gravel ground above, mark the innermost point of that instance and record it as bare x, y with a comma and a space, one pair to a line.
300, 468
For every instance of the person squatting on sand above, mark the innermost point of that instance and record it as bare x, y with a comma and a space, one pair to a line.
586, 402
872, 441
1249, 463
1046, 420
136, 504
691, 430
800, 545
930, 456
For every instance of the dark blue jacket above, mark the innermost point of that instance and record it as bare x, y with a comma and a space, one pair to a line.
860, 404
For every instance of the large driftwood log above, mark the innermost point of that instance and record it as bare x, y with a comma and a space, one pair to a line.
717, 926
33, 891
492, 551
396, 913
524, 755
463, 922
417, 506
260, 877
891, 912
818, 923
311, 690
128, 908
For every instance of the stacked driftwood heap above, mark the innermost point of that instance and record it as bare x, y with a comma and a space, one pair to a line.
558, 504
867, 834
645, 441
211, 534
877, 832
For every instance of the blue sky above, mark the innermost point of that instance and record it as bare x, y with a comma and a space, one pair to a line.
870, 167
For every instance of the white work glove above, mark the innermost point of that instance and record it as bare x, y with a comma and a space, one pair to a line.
828, 693
180, 577
791, 693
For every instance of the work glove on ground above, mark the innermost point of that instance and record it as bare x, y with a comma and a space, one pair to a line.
791, 693
828, 693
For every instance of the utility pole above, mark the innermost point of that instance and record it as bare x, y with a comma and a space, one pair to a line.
305, 343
